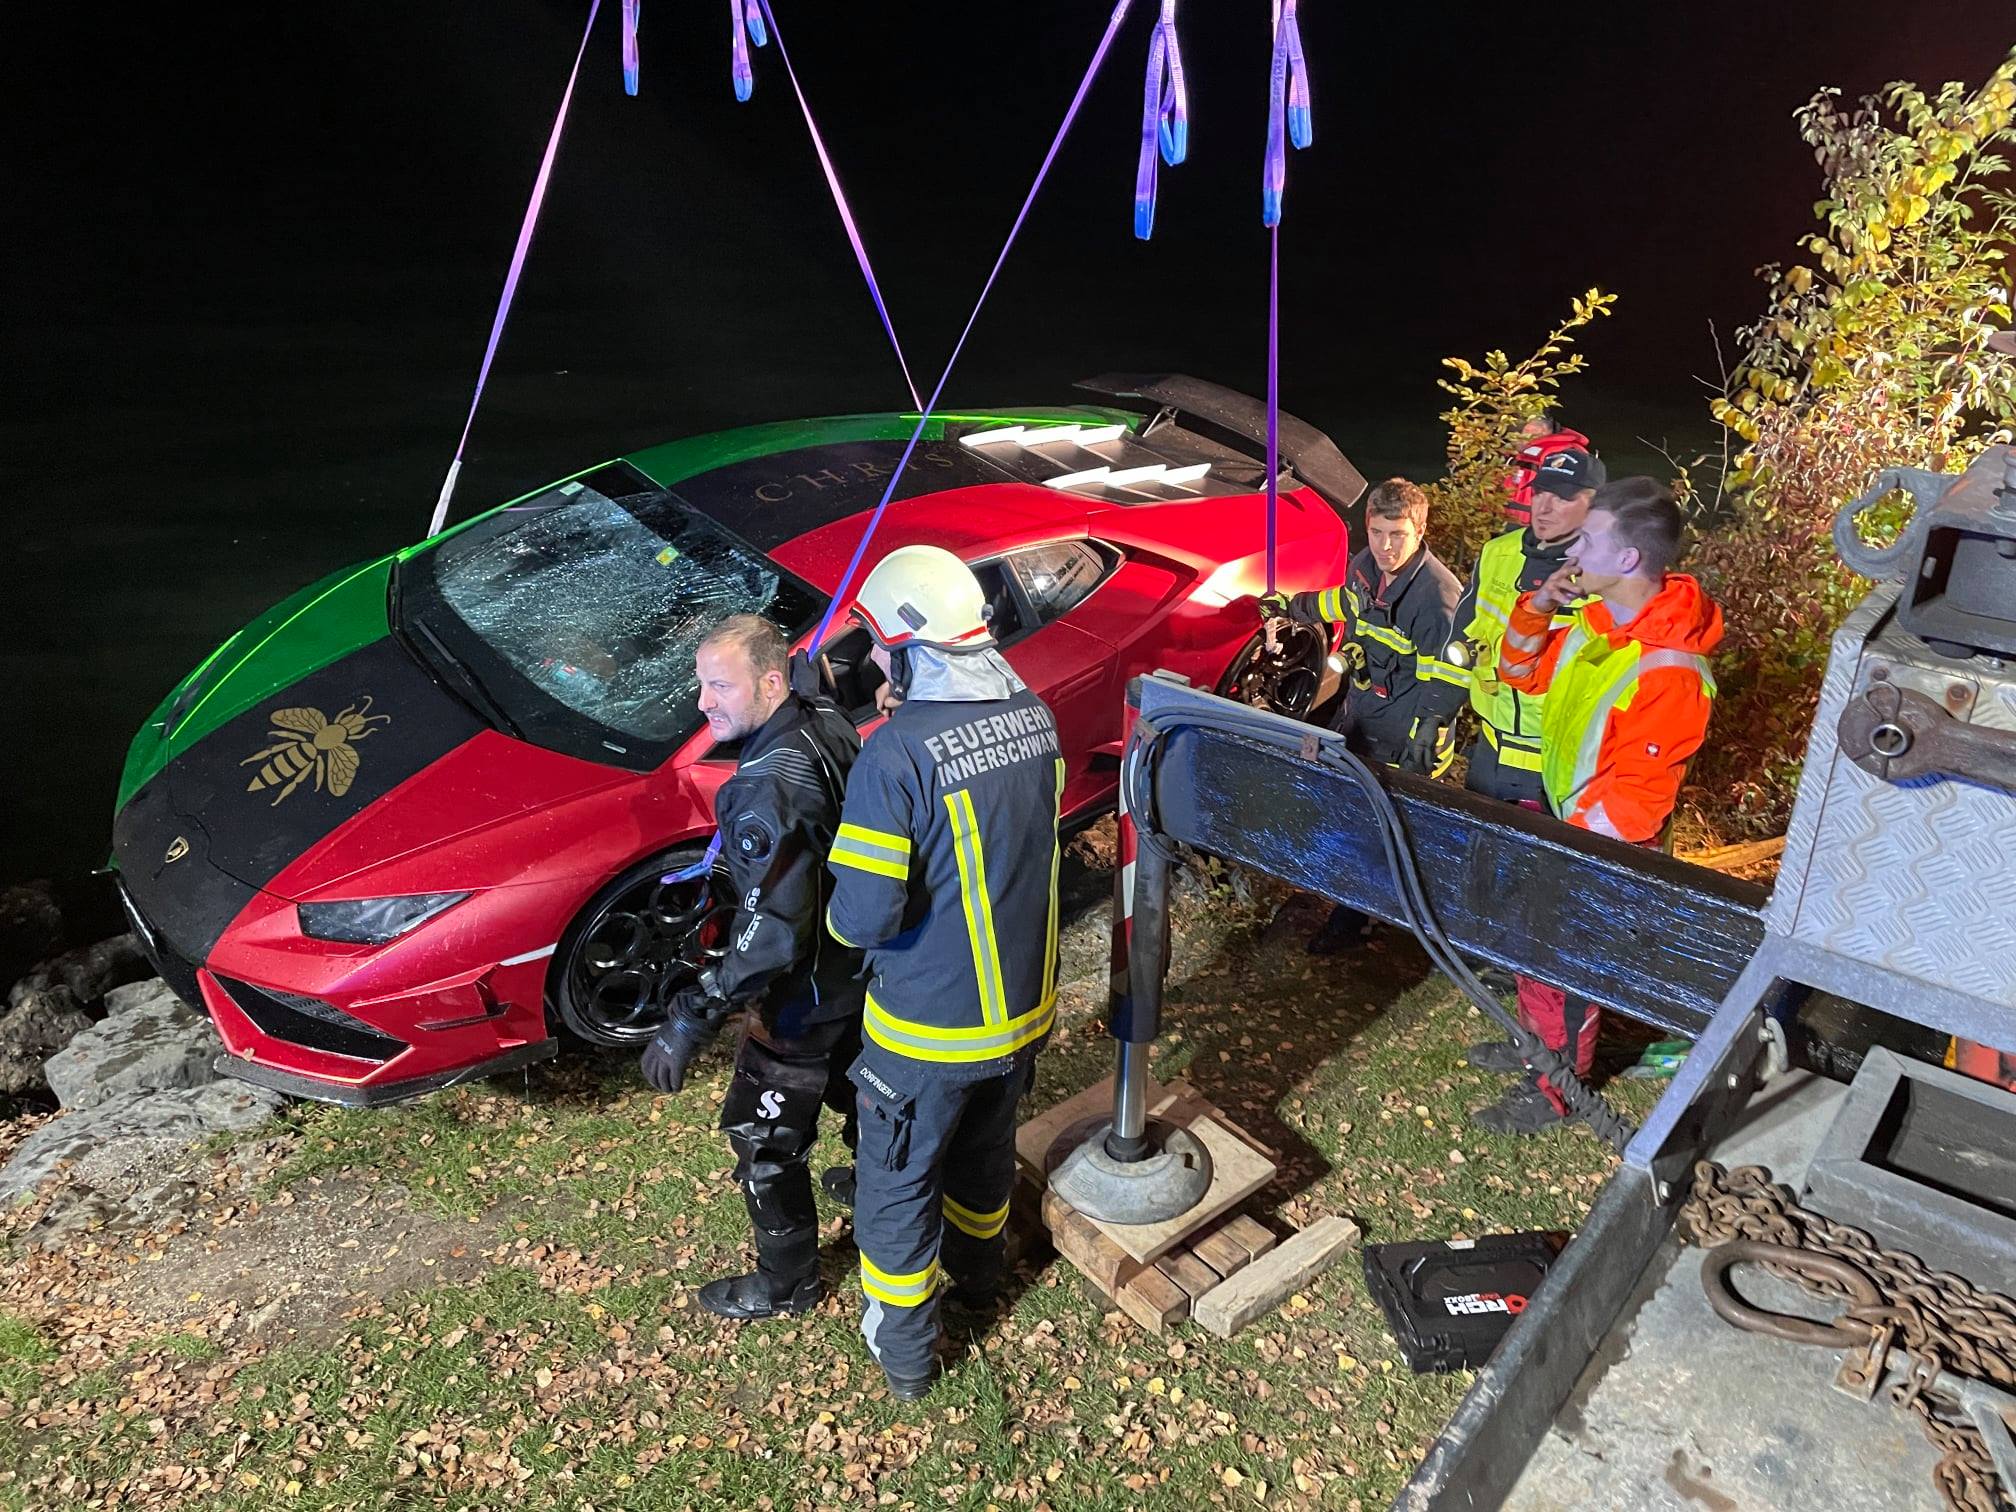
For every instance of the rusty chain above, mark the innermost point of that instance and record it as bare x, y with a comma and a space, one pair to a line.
1943, 1321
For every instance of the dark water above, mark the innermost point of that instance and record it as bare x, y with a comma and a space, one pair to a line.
249, 269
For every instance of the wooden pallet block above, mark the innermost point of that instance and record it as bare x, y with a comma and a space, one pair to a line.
1239, 1167
1153, 1300
1223, 1252
1157, 1290
1255, 1238
1260, 1286
1188, 1271
1078, 1240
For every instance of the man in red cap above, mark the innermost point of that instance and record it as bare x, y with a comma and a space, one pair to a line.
1539, 439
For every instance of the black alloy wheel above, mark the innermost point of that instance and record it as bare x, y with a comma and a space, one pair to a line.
637, 943
1284, 677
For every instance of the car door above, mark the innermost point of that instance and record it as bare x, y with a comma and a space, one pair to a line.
1030, 592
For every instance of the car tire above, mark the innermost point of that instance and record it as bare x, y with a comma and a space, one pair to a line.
1285, 680
636, 943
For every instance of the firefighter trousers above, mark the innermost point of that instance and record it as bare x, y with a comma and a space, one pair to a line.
932, 1177
771, 1117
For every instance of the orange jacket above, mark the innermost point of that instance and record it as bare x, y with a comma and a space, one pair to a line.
1627, 705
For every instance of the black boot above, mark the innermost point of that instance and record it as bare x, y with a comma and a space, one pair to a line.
838, 1183
1345, 929
908, 1389
1523, 1110
980, 1300
1499, 1056
786, 1278
746, 1298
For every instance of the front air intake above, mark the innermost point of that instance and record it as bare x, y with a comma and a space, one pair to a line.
310, 1022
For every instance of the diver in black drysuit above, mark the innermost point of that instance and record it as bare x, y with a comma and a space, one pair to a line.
777, 818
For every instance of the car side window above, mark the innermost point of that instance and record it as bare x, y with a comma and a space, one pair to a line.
1056, 577
1004, 604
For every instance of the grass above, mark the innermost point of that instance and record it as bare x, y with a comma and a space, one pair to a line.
575, 1370
22, 1350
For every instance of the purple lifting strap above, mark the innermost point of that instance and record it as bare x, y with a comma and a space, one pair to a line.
744, 18
1273, 392
924, 417
630, 10
1165, 117
699, 868
1287, 121
840, 204
511, 277
1287, 110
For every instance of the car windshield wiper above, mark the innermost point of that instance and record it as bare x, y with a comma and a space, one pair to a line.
484, 701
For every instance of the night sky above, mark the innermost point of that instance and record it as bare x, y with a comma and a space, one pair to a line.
249, 266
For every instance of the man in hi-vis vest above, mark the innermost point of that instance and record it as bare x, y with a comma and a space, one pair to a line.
945, 871
1628, 698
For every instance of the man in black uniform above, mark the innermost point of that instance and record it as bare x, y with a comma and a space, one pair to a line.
946, 874
1399, 603
777, 816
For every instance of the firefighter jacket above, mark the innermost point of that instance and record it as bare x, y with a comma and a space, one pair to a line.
1508, 719
1403, 626
778, 814
1526, 465
1627, 705
945, 873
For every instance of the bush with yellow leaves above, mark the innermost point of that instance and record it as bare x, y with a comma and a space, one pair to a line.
1871, 353
1493, 401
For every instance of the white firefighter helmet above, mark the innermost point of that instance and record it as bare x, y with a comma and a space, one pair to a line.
924, 596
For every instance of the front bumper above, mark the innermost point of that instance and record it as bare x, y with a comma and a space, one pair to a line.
323, 1025
380, 1094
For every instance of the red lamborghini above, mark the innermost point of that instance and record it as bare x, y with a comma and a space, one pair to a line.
398, 831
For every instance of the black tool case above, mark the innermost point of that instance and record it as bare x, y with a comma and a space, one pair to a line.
1450, 1301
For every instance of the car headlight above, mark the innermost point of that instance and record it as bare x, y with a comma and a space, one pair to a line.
372, 921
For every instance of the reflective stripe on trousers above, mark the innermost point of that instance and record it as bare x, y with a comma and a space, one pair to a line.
931, 1199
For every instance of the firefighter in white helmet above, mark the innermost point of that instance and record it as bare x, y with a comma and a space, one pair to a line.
945, 870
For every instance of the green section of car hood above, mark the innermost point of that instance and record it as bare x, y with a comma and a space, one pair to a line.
677, 460
297, 636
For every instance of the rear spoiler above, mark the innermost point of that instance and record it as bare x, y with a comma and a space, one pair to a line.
1240, 421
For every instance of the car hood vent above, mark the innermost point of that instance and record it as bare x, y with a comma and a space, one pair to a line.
1104, 462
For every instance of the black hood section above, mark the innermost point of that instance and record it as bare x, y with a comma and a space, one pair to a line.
770, 500
241, 804
183, 900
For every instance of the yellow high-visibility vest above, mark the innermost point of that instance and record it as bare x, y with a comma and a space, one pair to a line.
1511, 720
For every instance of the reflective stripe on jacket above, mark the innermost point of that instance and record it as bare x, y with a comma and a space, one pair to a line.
945, 870
1509, 719
1626, 707
1404, 624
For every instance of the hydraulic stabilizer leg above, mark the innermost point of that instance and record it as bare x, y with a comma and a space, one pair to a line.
1128, 1140
1129, 1168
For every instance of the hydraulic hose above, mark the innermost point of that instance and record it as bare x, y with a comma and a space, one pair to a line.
1136, 773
